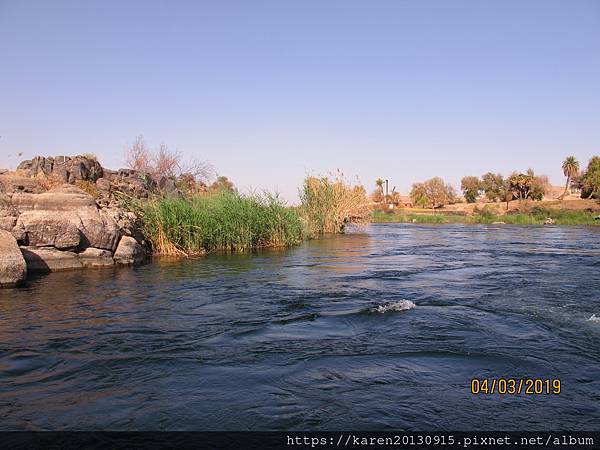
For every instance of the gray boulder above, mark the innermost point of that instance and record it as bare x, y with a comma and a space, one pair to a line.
69, 168
98, 229
13, 269
44, 229
129, 251
96, 257
48, 259
66, 218
166, 185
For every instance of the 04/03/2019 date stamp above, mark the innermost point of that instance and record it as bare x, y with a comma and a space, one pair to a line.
515, 386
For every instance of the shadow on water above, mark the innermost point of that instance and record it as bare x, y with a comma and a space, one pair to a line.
381, 329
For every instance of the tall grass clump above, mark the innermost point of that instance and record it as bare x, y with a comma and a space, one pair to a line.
220, 220
328, 204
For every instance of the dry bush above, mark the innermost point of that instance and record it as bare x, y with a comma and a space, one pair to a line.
139, 155
165, 162
89, 187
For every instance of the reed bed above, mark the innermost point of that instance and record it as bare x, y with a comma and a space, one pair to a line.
328, 204
224, 221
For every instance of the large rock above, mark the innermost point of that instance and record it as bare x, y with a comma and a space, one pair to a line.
69, 168
167, 185
96, 257
48, 259
61, 198
44, 229
98, 229
66, 218
13, 269
129, 251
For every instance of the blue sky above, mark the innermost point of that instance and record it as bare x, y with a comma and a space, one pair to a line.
267, 91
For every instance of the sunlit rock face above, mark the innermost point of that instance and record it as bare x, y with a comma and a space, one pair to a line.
13, 269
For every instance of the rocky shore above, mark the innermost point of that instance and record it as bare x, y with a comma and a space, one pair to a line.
63, 226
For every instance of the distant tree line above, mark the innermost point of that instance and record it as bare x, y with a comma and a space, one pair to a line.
518, 186
524, 186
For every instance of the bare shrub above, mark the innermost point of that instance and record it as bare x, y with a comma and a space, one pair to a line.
139, 155
165, 162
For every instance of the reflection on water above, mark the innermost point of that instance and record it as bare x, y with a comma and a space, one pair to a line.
321, 336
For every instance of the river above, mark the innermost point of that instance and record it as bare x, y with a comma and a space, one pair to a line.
378, 329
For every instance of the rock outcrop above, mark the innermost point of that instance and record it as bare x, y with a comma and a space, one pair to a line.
13, 268
68, 168
63, 229
66, 218
64, 213
105, 183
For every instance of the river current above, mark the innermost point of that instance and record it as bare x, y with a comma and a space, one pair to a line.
382, 328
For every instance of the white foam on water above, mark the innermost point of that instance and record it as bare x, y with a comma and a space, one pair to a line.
594, 318
402, 305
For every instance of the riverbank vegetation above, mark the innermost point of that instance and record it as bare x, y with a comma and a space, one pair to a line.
490, 215
328, 204
519, 198
221, 220
225, 220
195, 217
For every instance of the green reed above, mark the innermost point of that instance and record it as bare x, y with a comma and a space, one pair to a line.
219, 221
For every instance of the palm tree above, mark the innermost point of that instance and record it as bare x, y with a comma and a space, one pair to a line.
570, 167
379, 182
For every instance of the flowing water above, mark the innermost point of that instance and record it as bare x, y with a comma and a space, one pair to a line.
375, 330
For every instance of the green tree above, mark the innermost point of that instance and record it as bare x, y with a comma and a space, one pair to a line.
434, 192
418, 195
223, 184
590, 180
528, 186
570, 167
471, 186
520, 184
493, 186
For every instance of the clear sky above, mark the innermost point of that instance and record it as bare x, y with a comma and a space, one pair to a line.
268, 91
